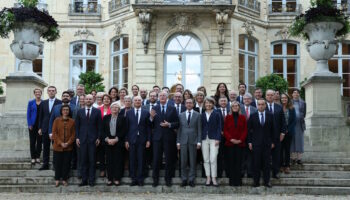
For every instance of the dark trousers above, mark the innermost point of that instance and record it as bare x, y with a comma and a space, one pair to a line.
276, 158
35, 141
88, 161
74, 156
285, 151
159, 147
46, 148
148, 160
115, 162
222, 162
136, 161
234, 156
101, 157
62, 164
261, 159
247, 162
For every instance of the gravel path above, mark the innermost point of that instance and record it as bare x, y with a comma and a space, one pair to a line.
146, 196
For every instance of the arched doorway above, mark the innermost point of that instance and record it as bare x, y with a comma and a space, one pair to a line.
183, 61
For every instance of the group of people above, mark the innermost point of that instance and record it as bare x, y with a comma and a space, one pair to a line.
230, 134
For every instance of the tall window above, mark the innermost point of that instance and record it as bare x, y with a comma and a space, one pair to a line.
83, 58
89, 6
285, 62
37, 64
248, 61
340, 64
279, 6
183, 62
120, 59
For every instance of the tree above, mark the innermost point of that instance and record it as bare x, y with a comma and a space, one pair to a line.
92, 81
272, 81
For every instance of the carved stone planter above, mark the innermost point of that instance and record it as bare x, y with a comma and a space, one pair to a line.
322, 44
27, 46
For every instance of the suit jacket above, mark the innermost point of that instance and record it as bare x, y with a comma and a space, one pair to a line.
212, 127
123, 113
45, 114
74, 101
182, 108
190, 134
120, 130
57, 113
302, 111
88, 131
133, 127
292, 119
160, 133
238, 132
258, 135
252, 110
254, 103
147, 107
31, 112
219, 110
280, 121
239, 99
198, 110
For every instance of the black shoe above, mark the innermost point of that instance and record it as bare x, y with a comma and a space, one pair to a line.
91, 184
275, 176
110, 183
268, 185
191, 183
256, 185
155, 184
134, 183
168, 183
73, 167
293, 162
44, 167
299, 162
184, 184
141, 183
83, 183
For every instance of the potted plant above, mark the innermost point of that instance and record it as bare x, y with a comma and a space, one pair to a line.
321, 25
28, 24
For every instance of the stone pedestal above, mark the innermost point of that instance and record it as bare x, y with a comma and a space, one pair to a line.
326, 128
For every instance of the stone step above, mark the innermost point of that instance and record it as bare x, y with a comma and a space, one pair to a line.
309, 190
177, 181
320, 154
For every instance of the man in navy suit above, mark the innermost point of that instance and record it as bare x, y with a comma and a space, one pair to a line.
260, 141
46, 108
257, 95
137, 139
280, 130
241, 89
80, 92
88, 124
164, 122
178, 103
143, 94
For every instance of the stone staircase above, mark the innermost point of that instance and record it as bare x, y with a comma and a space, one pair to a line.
321, 174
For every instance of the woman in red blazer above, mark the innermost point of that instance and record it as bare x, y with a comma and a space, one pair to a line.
105, 108
235, 133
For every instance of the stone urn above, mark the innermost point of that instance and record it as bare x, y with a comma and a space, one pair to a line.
27, 46
322, 44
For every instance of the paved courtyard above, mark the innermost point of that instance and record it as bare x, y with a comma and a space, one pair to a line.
147, 196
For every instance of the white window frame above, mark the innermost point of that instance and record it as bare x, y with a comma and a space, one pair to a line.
83, 57
340, 57
119, 53
246, 54
286, 57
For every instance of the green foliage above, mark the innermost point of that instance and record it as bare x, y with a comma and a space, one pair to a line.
325, 3
302, 89
7, 20
1, 90
28, 3
92, 81
272, 81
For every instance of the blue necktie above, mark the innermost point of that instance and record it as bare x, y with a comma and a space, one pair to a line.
262, 122
137, 116
177, 109
189, 118
163, 110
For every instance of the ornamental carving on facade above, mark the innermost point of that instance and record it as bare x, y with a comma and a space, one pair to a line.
249, 28
145, 17
222, 17
118, 27
83, 33
183, 22
283, 33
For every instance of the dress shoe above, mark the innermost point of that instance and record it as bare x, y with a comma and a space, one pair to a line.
37, 160
141, 183
268, 185
168, 183
155, 183
299, 162
110, 183
83, 183
287, 170
44, 167
191, 184
91, 184
134, 183
32, 162
256, 185
184, 184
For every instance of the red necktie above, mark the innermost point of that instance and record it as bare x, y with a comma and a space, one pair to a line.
247, 112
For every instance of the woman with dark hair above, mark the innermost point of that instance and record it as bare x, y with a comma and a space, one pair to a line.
105, 108
235, 133
33, 111
202, 89
290, 116
122, 93
113, 135
63, 136
113, 92
221, 91
187, 95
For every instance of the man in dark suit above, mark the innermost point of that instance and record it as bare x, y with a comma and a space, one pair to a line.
46, 108
151, 102
143, 94
241, 89
178, 104
260, 141
165, 121
224, 109
80, 92
280, 130
188, 141
247, 110
88, 124
138, 138
257, 95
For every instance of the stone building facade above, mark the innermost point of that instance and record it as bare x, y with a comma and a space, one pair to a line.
162, 42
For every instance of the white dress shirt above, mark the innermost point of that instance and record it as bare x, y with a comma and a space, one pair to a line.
263, 115
187, 113
51, 102
270, 105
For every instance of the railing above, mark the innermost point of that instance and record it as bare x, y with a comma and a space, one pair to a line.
78, 8
116, 4
185, 2
253, 5
40, 6
284, 9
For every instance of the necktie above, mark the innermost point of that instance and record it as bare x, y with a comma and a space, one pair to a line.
189, 118
150, 107
177, 109
262, 121
137, 116
88, 114
270, 108
223, 112
163, 110
247, 112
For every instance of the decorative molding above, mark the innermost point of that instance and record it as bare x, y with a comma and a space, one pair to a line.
118, 27
283, 33
145, 17
222, 17
183, 22
83, 33
249, 28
